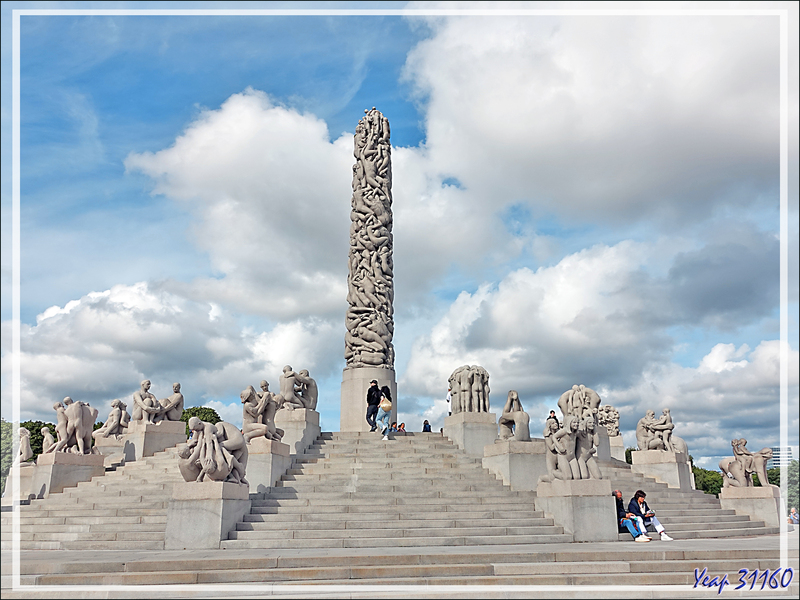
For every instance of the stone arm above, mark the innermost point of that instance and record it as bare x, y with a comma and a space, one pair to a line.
559, 447
171, 402
138, 401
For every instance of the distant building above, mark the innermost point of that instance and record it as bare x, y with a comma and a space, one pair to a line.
781, 457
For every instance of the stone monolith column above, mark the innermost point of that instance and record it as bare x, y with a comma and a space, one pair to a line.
370, 281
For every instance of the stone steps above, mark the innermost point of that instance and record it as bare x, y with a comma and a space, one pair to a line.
125, 509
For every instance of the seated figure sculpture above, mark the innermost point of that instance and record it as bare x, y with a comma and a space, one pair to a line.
571, 450
47, 438
657, 434
307, 389
555, 457
145, 405
116, 423
514, 422
25, 453
738, 471
289, 397
214, 452
258, 414
172, 407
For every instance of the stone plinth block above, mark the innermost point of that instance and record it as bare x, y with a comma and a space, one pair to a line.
25, 473
58, 470
584, 508
671, 468
617, 446
300, 428
149, 438
266, 463
604, 445
200, 515
518, 463
761, 503
471, 431
113, 446
355, 383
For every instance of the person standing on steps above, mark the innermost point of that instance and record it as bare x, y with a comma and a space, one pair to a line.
639, 508
385, 411
426, 427
373, 401
627, 520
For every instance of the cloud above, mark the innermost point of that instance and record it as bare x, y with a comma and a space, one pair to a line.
101, 346
269, 194
614, 120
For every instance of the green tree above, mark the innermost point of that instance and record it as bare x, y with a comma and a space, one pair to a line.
628, 458
204, 413
708, 481
773, 476
6, 446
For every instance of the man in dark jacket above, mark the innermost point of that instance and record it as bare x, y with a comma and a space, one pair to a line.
639, 508
373, 400
626, 520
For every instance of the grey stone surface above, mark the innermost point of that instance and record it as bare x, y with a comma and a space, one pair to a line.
202, 514
300, 427
214, 453
513, 421
617, 447
518, 464
469, 389
738, 471
471, 431
585, 508
667, 467
268, 461
759, 503
355, 383
58, 470
608, 417
657, 434
370, 280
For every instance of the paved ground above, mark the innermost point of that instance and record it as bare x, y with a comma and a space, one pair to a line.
39, 561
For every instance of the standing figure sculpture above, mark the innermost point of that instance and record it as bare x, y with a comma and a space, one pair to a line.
469, 389
370, 281
514, 422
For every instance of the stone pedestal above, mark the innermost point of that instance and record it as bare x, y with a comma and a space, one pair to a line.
671, 468
147, 438
761, 503
300, 428
518, 463
116, 447
25, 473
355, 383
267, 460
201, 514
604, 445
58, 470
471, 431
617, 447
584, 508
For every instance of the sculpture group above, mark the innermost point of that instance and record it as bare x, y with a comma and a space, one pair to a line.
469, 389
148, 409
656, 434
370, 281
571, 448
74, 427
738, 470
215, 452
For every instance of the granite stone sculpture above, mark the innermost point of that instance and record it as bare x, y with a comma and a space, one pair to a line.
289, 397
469, 387
214, 453
738, 470
514, 422
258, 414
148, 409
47, 438
74, 427
25, 453
608, 417
307, 389
556, 456
580, 401
370, 281
117, 422
656, 434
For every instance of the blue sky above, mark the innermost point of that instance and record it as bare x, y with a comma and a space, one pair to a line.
578, 199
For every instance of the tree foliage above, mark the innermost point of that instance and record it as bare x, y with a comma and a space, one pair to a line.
204, 413
35, 427
708, 481
773, 476
792, 485
628, 458
6, 447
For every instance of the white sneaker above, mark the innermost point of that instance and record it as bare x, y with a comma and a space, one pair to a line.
642, 538
385, 438
665, 537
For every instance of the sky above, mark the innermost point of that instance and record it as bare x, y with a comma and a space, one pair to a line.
578, 199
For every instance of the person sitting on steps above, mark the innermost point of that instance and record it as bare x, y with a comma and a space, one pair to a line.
628, 520
639, 508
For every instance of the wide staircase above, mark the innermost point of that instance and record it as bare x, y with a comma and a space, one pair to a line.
124, 509
354, 490
691, 514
